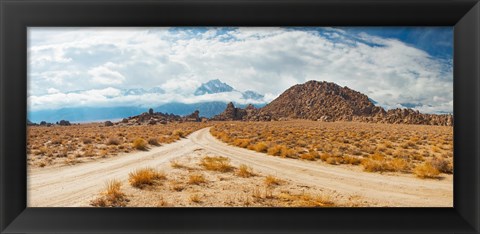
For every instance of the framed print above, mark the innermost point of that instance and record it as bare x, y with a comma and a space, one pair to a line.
239, 116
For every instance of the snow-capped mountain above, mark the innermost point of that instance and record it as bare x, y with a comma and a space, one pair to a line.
249, 94
217, 86
141, 91
213, 86
211, 99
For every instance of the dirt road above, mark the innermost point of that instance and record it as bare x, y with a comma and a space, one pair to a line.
76, 185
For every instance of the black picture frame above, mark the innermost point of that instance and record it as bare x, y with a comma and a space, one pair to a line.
17, 15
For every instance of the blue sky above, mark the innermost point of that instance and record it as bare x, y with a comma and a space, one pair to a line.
395, 66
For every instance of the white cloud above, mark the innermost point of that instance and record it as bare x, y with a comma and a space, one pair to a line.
181, 86
104, 75
267, 60
52, 91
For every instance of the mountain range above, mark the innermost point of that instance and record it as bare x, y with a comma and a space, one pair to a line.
313, 100
207, 108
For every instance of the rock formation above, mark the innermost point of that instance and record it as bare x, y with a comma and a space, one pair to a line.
152, 118
324, 101
231, 113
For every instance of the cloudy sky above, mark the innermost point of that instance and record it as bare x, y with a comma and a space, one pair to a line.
395, 66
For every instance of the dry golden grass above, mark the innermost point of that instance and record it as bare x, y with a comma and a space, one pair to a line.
176, 186
442, 165
218, 163
140, 144
196, 179
113, 141
376, 147
94, 140
153, 141
162, 202
245, 171
426, 170
305, 200
272, 181
112, 196
145, 177
260, 147
195, 198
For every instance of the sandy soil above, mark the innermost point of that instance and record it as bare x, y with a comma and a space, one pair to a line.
77, 185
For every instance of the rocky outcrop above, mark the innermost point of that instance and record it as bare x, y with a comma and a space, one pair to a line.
153, 118
321, 100
327, 102
194, 117
231, 113
64, 123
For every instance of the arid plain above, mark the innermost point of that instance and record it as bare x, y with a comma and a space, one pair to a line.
297, 163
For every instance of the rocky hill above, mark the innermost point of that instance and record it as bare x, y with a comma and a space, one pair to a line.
152, 118
324, 101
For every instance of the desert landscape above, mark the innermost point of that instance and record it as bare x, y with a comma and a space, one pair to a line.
240, 117
349, 153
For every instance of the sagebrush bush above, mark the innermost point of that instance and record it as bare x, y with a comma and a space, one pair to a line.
180, 133
145, 177
196, 179
153, 141
140, 144
442, 165
426, 170
261, 147
398, 164
113, 141
245, 171
372, 165
112, 196
241, 142
272, 180
218, 163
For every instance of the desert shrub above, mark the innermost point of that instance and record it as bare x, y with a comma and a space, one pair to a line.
436, 149
281, 150
334, 160
218, 163
426, 170
245, 171
442, 165
325, 156
145, 177
309, 156
399, 164
180, 133
288, 153
261, 147
305, 200
140, 144
241, 142
352, 160
113, 141
195, 198
57, 141
275, 150
176, 186
272, 180
378, 156
87, 140
153, 141
196, 179
372, 165
112, 196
